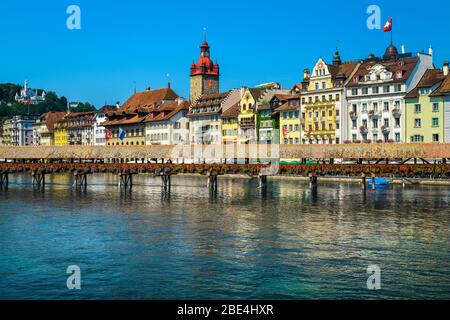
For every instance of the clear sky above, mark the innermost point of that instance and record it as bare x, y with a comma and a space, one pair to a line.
122, 42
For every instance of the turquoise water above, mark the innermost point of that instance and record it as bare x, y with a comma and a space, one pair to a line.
290, 243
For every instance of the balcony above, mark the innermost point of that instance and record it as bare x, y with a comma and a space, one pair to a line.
374, 114
364, 130
247, 123
396, 113
353, 115
385, 129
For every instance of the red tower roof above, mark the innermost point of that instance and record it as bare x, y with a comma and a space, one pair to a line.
205, 66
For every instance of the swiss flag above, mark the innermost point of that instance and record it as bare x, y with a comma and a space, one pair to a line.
388, 26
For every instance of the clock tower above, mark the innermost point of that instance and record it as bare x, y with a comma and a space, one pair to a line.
204, 74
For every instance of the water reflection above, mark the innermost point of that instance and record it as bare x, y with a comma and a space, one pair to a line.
288, 241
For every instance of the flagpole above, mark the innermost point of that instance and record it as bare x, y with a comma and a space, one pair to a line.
392, 31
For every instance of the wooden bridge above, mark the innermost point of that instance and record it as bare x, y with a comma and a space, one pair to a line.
402, 161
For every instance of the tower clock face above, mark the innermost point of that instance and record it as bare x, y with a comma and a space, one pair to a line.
210, 86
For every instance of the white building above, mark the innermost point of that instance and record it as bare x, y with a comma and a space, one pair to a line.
99, 130
168, 125
375, 96
205, 116
27, 95
22, 130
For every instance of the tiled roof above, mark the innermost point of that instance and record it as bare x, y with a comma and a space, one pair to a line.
406, 66
231, 112
147, 100
50, 118
444, 88
257, 92
430, 78
167, 111
287, 107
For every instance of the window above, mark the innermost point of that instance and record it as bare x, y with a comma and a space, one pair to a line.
386, 106
386, 122
435, 107
354, 92
354, 124
354, 137
435, 122
397, 137
386, 89
375, 123
324, 85
338, 97
417, 138
417, 123
417, 108
435, 137
317, 86
397, 122
365, 91
375, 90
398, 87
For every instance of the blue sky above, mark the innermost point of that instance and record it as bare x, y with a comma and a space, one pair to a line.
122, 42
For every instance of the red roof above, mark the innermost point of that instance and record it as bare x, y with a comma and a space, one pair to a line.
205, 65
147, 100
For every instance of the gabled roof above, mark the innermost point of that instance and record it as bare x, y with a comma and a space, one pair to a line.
405, 66
147, 100
430, 78
257, 92
232, 112
287, 106
444, 88
50, 118
167, 111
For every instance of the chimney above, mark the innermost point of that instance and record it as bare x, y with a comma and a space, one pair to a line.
168, 85
445, 68
149, 88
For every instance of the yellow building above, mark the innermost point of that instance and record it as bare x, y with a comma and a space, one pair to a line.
290, 122
247, 114
230, 126
322, 101
60, 133
424, 112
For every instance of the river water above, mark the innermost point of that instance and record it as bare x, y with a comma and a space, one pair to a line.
242, 243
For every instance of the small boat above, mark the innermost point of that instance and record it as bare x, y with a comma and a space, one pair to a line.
379, 182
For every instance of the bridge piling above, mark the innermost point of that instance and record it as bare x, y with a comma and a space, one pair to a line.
4, 179
38, 177
312, 181
212, 180
80, 177
126, 179
262, 181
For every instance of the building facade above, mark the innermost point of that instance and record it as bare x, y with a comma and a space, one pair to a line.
424, 114
7, 132
130, 118
169, 125
267, 120
22, 130
43, 129
375, 96
290, 122
247, 117
205, 116
323, 101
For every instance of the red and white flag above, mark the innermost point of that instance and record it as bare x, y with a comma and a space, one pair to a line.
388, 26
108, 135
